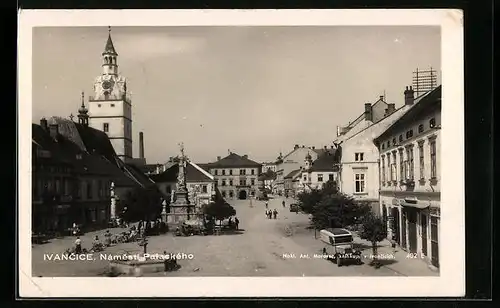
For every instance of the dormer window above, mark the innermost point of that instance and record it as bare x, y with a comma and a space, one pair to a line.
401, 138
393, 141
432, 123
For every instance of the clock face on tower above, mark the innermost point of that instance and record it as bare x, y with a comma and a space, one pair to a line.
106, 85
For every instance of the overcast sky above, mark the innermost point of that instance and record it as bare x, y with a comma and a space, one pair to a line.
253, 90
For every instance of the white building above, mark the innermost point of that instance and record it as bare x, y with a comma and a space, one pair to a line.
294, 161
358, 173
316, 173
110, 108
410, 177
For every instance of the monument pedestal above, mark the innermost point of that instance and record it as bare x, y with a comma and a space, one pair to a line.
181, 209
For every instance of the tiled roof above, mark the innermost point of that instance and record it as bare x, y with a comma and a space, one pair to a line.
83, 163
109, 48
234, 160
170, 175
204, 166
324, 163
292, 174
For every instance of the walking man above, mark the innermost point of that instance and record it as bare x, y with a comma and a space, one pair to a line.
237, 223
275, 213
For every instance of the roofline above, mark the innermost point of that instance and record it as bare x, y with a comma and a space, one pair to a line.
420, 99
211, 177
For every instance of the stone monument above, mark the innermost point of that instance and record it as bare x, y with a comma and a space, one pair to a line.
181, 208
113, 201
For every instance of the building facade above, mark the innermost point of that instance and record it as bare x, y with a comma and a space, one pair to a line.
110, 107
358, 172
410, 178
317, 173
200, 184
291, 162
237, 177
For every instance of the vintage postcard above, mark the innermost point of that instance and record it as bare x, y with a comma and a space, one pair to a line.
274, 153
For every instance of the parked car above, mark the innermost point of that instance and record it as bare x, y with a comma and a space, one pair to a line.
294, 207
339, 246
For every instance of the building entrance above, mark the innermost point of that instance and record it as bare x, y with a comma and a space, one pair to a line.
242, 195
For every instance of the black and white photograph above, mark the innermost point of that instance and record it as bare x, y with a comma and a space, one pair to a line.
241, 154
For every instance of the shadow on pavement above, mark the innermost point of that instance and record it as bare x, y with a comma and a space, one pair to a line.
232, 232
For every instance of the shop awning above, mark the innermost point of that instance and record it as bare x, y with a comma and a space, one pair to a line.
417, 204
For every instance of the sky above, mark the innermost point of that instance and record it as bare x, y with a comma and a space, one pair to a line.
251, 90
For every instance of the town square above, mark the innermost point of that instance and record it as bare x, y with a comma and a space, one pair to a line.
235, 152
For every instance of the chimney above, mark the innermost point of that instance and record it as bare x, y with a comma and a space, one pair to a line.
338, 131
218, 158
295, 147
303, 146
390, 109
368, 112
44, 124
313, 148
331, 147
381, 97
54, 130
409, 96
141, 145
325, 147
245, 156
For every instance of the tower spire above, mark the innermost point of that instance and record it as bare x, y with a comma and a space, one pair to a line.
83, 117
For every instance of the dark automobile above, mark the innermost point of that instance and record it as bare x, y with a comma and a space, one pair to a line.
294, 208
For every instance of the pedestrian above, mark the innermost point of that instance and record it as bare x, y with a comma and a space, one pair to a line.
78, 245
270, 214
267, 205
237, 222
107, 238
283, 203
275, 213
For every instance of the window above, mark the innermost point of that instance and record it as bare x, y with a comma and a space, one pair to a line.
99, 189
400, 138
231, 194
105, 127
230, 171
58, 186
215, 172
223, 183
389, 166
99, 105
409, 134
243, 172
243, 182
409, 157
421, 159
421, 128
394, 141
253, 171
330, 177
401, 165
432, 123
320, 178
89, 190
433, 159
305, 177
383, 146
223, 194
204, 188
230, 182
358, 156
383, 168
223, 172
252, 181
388, 144
112, 105
359, 182
393, 167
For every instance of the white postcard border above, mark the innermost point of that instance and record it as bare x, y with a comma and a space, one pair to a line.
451, 281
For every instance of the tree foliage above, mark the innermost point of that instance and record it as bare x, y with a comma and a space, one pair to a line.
141, 204
331, 209
373, 230
219, 209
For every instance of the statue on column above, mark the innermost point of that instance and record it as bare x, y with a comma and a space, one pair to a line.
181, 177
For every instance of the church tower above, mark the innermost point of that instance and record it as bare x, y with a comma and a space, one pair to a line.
110, 108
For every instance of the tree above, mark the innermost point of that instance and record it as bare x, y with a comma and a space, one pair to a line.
141, 204
219, 209
373, 230
330, 208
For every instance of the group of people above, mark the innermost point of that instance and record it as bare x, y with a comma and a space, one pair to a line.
272, 214
153, 227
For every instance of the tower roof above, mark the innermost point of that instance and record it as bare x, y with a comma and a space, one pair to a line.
109, 48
